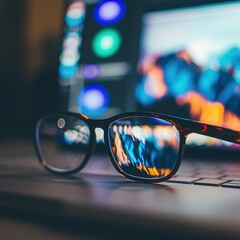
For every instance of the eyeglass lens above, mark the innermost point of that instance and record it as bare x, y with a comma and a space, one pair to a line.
144, 147
141, 146
63, 141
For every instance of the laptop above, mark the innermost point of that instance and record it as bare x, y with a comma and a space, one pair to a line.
165, 56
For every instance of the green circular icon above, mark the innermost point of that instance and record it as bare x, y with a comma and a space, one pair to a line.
106, 43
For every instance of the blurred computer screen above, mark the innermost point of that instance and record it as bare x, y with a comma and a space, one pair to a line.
179, 58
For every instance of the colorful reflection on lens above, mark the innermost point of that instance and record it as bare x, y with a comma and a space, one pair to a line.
144, 146
64, 141
73, 136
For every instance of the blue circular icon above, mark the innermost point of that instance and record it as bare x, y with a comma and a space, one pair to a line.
109, 12
93, 100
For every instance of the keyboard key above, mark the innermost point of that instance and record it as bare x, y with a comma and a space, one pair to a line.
208, 175
182, 179
232, 178
210, 171
210, 182
187, 174
232, 184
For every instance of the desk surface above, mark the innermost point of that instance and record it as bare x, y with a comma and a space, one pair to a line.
170, 211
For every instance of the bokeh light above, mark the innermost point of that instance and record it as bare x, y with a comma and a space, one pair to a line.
109, 12
90, 71
106, 42
93, 100
75, 14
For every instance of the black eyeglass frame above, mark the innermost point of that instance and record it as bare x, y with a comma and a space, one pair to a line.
183, 126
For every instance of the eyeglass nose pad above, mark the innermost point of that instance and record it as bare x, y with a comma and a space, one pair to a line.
99, 135
100, 144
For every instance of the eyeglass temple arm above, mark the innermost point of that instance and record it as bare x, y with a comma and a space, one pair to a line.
213, 131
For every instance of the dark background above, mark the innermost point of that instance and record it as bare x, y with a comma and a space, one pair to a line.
29, 45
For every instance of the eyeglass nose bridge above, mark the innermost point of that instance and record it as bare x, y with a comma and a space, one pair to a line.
99, 127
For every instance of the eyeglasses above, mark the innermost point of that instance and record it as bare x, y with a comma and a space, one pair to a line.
145, 147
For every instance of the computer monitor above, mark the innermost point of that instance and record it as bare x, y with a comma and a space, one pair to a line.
168, 56
96, 67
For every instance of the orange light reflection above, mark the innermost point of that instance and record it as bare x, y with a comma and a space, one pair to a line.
163, 134
121, 156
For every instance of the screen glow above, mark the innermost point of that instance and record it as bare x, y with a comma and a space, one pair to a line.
106, 42
109, 12
93, 100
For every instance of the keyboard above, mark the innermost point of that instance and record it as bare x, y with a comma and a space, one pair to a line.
218, 174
